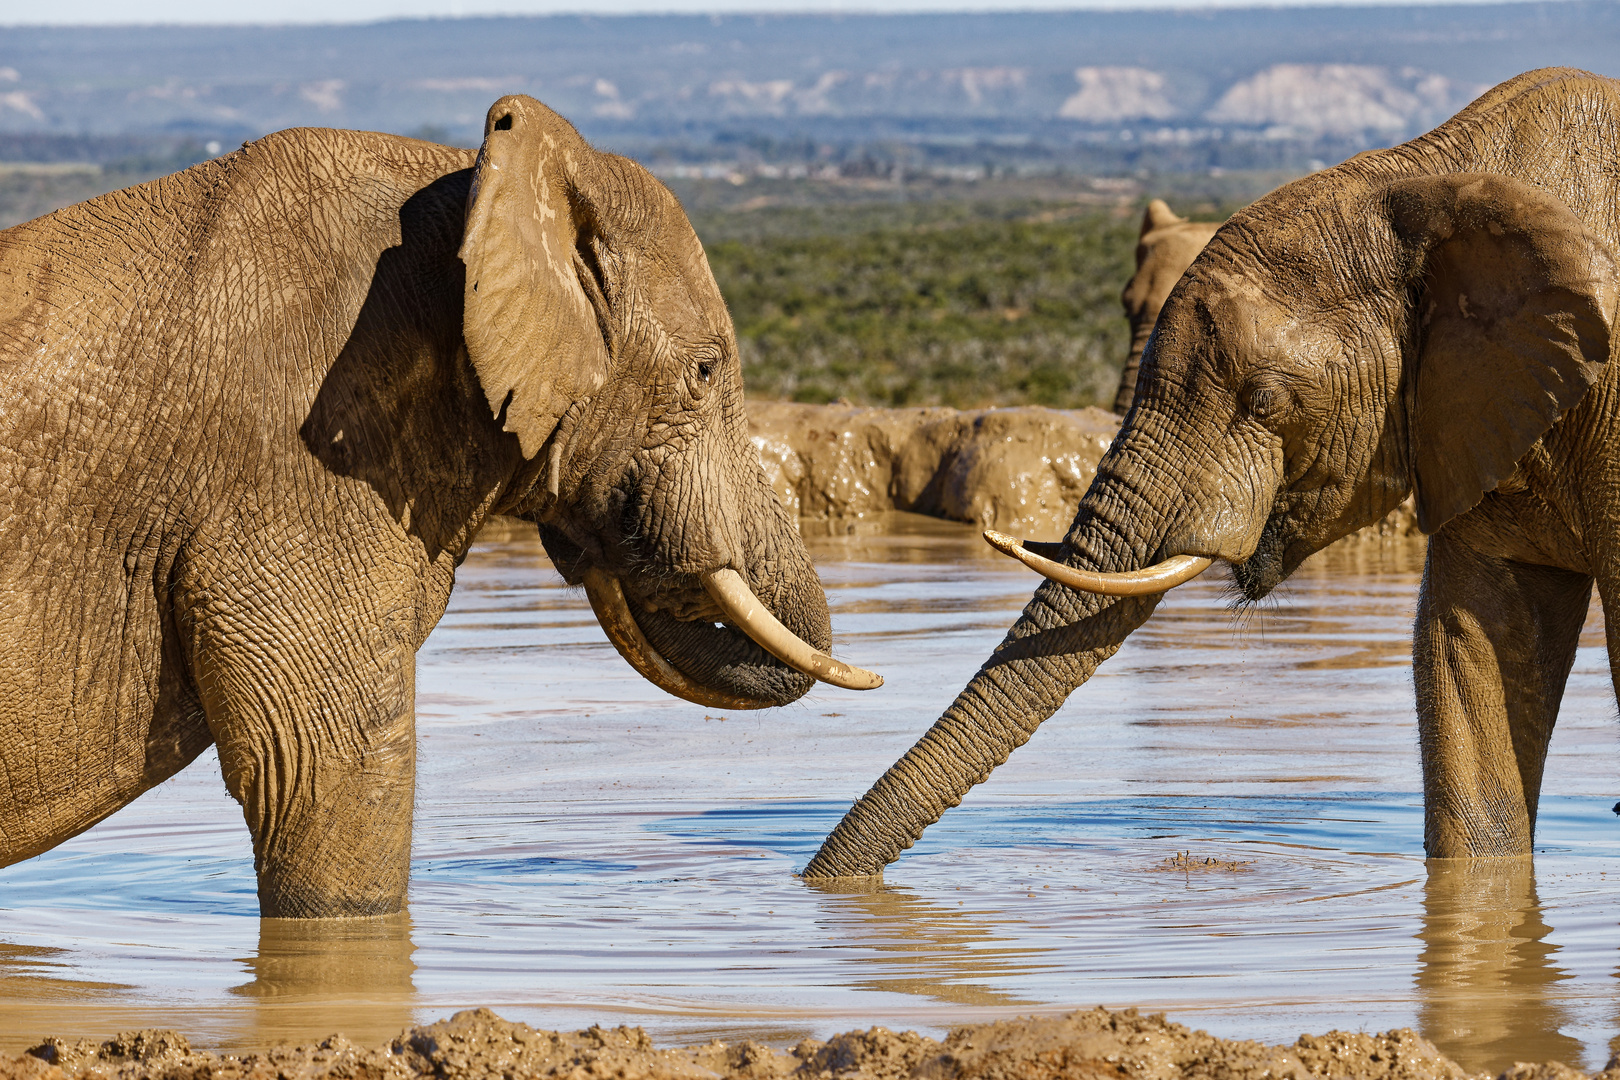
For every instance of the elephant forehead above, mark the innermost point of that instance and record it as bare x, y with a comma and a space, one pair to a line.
687, 304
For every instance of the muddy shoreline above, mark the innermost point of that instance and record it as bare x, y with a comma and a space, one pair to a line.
479, 1045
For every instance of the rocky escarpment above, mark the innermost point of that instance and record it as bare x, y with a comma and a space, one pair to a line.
1086, 1045
1019, 470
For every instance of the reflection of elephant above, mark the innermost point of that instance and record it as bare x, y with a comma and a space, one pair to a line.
1428, 318
1487, 983
1167, 246
352, 975
253, 414
921, 946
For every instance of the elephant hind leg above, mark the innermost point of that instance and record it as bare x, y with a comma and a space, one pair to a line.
1491, 650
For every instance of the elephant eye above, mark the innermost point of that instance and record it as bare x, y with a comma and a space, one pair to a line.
1265, 399
704, 359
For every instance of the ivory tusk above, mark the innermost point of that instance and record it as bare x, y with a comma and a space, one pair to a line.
743, 608
607, 600
1158, 578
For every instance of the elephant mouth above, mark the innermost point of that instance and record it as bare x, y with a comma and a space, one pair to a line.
771, 666
1269, 565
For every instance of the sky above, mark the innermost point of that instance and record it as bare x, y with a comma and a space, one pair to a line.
105, 12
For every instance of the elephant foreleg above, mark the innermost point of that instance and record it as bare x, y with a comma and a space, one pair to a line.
321, 753
1492, 647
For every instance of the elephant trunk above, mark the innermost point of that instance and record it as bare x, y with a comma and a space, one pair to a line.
1141, 330
1053, 648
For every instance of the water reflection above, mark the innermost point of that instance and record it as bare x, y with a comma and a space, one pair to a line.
1487, 980
926, 947
354, 975
44, 972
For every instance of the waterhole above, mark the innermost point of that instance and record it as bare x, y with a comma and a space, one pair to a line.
1224, 824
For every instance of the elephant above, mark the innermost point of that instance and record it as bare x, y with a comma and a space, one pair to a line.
1167, 246
1434, 318
253, 414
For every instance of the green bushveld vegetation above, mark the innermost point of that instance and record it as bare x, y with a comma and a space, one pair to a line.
1000, 292
946, 308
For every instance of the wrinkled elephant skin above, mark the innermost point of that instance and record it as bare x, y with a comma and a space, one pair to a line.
1434, 319
253, 415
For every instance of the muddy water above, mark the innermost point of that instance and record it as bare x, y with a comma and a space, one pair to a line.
588, 850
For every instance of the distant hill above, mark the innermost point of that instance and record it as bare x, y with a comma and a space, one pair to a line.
1351, 76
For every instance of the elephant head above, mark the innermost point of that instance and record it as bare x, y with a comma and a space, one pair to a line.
1167, 246
601, 341
1360, 334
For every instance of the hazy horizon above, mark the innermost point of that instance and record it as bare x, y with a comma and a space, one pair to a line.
111, 13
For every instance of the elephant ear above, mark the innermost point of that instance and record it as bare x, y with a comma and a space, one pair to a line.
533, 319
1158, 215
1514, 305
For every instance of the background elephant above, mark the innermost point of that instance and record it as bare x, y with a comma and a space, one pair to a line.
1167, 246
254, 414
1434, 318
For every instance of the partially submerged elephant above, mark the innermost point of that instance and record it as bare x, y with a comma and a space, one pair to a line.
1167, 246
253, 415
1436, 318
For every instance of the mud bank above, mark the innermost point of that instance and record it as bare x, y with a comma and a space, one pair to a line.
478, 1045
1020, 470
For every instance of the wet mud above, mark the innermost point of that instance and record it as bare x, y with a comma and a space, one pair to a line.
476, 1044
1019, 470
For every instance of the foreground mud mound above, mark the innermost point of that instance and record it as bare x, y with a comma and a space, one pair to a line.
478, 1045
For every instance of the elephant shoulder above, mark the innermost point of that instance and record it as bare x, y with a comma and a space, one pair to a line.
235, 252
1543, 88
314, 161
293, 195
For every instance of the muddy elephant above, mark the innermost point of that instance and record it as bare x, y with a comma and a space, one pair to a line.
1434, 318
254, 414
1167, 246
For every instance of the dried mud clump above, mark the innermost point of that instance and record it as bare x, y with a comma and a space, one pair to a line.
478, 1045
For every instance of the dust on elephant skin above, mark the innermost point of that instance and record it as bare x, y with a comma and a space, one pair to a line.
478, 1045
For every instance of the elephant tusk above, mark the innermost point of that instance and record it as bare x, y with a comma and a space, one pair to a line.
607, 600
745, 611
1158, 578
